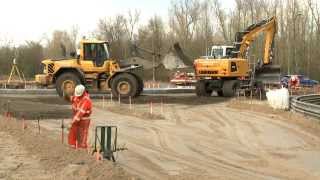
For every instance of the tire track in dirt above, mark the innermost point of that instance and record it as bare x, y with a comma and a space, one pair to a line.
210, 141
226, 118
219, 159
310, 139
178, 157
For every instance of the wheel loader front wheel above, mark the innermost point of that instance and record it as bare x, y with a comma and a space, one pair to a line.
66, 83
202, 89
124, 85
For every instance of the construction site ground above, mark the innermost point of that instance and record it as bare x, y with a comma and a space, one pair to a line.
185, 137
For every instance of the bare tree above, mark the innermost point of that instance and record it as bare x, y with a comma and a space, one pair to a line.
315, 12
131, 22
220, 14
114, 31
184, 17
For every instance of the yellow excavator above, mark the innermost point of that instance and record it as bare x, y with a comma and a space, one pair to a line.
226, 75
94, 68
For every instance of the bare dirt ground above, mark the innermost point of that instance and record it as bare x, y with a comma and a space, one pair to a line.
208, 138
26, 154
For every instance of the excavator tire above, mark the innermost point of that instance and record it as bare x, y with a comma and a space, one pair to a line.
125, 85
202, 89
229, 88
66, 83
220, 93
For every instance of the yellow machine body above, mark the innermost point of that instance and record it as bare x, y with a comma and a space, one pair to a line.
91, 67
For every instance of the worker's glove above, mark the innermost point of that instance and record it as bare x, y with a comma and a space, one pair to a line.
68, 126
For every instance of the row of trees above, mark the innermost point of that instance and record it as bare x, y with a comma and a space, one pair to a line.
196, 25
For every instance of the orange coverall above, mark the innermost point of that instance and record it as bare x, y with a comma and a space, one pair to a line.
82, 109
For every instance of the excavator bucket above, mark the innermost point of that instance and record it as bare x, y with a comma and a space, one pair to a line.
268, 74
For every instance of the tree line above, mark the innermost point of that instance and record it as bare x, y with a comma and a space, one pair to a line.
196, 25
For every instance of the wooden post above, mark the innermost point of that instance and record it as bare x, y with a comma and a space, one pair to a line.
8, 110
260, 94
39, 125
62, 131
103, 102
161, 106
151, 107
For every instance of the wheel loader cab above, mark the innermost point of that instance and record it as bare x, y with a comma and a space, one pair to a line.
94, 55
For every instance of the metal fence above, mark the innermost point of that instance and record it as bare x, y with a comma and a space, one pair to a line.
307, 104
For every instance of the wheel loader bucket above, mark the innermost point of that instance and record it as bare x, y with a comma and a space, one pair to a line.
179, 52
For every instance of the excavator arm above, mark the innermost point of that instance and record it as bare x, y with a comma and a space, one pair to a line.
244, 39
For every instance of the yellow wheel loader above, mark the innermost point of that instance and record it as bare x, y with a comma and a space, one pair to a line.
93, 68
227, 74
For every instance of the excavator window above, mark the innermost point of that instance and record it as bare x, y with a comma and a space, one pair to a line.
217, 53
229, 52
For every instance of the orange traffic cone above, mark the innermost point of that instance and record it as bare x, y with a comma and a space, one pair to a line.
98, 155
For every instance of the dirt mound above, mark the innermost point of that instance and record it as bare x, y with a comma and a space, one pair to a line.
61, 161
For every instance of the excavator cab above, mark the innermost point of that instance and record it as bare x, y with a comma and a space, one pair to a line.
218, 52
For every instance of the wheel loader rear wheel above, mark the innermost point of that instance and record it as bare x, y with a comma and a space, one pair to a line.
230, 88
124, 85
140, 87
202, 89
66, 83
220, 93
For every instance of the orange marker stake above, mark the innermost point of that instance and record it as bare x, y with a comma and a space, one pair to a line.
23, 123
98, 155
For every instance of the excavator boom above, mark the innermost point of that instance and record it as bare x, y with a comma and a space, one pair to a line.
245, 38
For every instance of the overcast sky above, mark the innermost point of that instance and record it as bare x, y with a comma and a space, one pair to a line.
33, 19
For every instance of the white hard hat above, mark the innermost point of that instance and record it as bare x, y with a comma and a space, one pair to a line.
79, 90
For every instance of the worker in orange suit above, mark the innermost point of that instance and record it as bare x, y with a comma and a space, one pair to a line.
294, 81
82, 109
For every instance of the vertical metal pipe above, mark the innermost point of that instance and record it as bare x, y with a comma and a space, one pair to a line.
102, 143
109, 140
